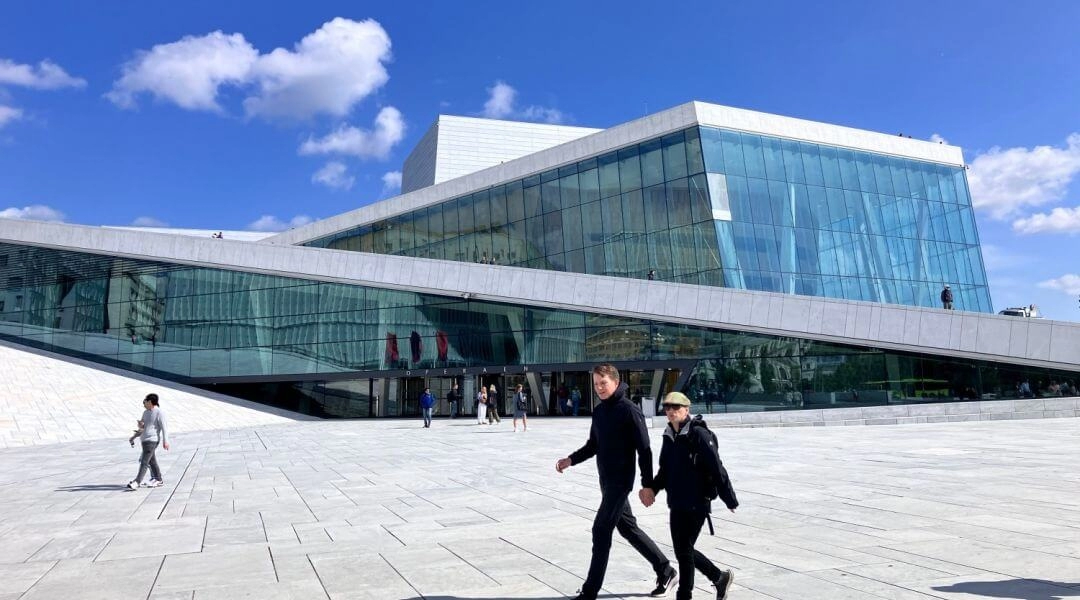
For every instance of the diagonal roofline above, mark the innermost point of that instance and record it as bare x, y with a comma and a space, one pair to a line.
996, 338
654, 125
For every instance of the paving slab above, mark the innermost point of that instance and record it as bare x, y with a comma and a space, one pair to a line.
388, 510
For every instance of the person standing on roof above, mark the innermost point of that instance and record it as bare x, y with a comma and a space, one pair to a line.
946, 298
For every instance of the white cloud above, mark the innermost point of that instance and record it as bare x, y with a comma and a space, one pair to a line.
148, 222
9, 114
334, 175
1069, 283
47, 76
272, 223
502, 104
1003, 182
391, 181
1059, 220
389, 130
328, 71
187, 73
34, 212
937, 138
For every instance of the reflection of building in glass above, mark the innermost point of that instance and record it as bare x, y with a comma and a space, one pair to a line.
861, 228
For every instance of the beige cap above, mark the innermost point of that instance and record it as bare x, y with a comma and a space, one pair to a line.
677, 398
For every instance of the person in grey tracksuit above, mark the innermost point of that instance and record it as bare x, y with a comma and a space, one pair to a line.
153, 430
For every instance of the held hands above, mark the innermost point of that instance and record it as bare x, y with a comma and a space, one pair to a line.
562, 464
647, 497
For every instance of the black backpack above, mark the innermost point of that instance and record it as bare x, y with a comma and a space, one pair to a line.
711, 486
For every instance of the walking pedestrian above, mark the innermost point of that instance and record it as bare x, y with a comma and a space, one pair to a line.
152, 431
575, 397
692, 474
521, 408
946, 297
493, 405
427, 405
453, 397
481, 406
618, 433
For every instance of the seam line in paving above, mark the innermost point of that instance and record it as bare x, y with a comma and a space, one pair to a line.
407, 582
466, 561
177, 484
318, 576
161, 565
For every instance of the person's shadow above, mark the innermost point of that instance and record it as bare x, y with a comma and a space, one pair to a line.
93, 487
1019, 589
640, 595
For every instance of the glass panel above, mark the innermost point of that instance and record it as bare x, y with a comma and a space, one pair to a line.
678, 198
498, 206
568, 190
774, 159
674, 156
629, 169
589, 183
613, 218
733, 158
571, 222
633, 210
793, 164
652, 163
533, 206
694, 162
699, 199
609, 175
755, 162
656, 217
515, 203
713, 150
830, 167
811, 164
549, 195
592, 223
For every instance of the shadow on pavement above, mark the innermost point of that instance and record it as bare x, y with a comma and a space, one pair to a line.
93, 487
525, 597
1020, 589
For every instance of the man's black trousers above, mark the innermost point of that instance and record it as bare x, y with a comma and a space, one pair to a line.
614, 513
685, 529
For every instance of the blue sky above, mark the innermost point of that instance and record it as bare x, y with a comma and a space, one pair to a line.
307, 110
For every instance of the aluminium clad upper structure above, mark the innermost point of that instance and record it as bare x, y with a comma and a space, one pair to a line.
798, 262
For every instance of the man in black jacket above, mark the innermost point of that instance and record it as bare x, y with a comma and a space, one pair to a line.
946, 297
689, 466
618, 432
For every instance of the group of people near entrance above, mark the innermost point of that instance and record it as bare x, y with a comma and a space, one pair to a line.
487, 405
690, 472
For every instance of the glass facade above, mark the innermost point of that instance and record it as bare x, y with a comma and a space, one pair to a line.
817, 220
261, 334
723, 208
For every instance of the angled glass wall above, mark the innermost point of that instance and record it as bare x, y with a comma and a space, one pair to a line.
621, 214
200, 325
817, 220
723, 208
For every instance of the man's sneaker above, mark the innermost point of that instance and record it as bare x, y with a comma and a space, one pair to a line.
723, 583
664, 583
153, 483
583, 596
133, 485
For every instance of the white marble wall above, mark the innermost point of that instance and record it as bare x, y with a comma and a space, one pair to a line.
1015, 340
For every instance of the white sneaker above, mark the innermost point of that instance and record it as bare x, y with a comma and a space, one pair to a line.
132, 485
152, 483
